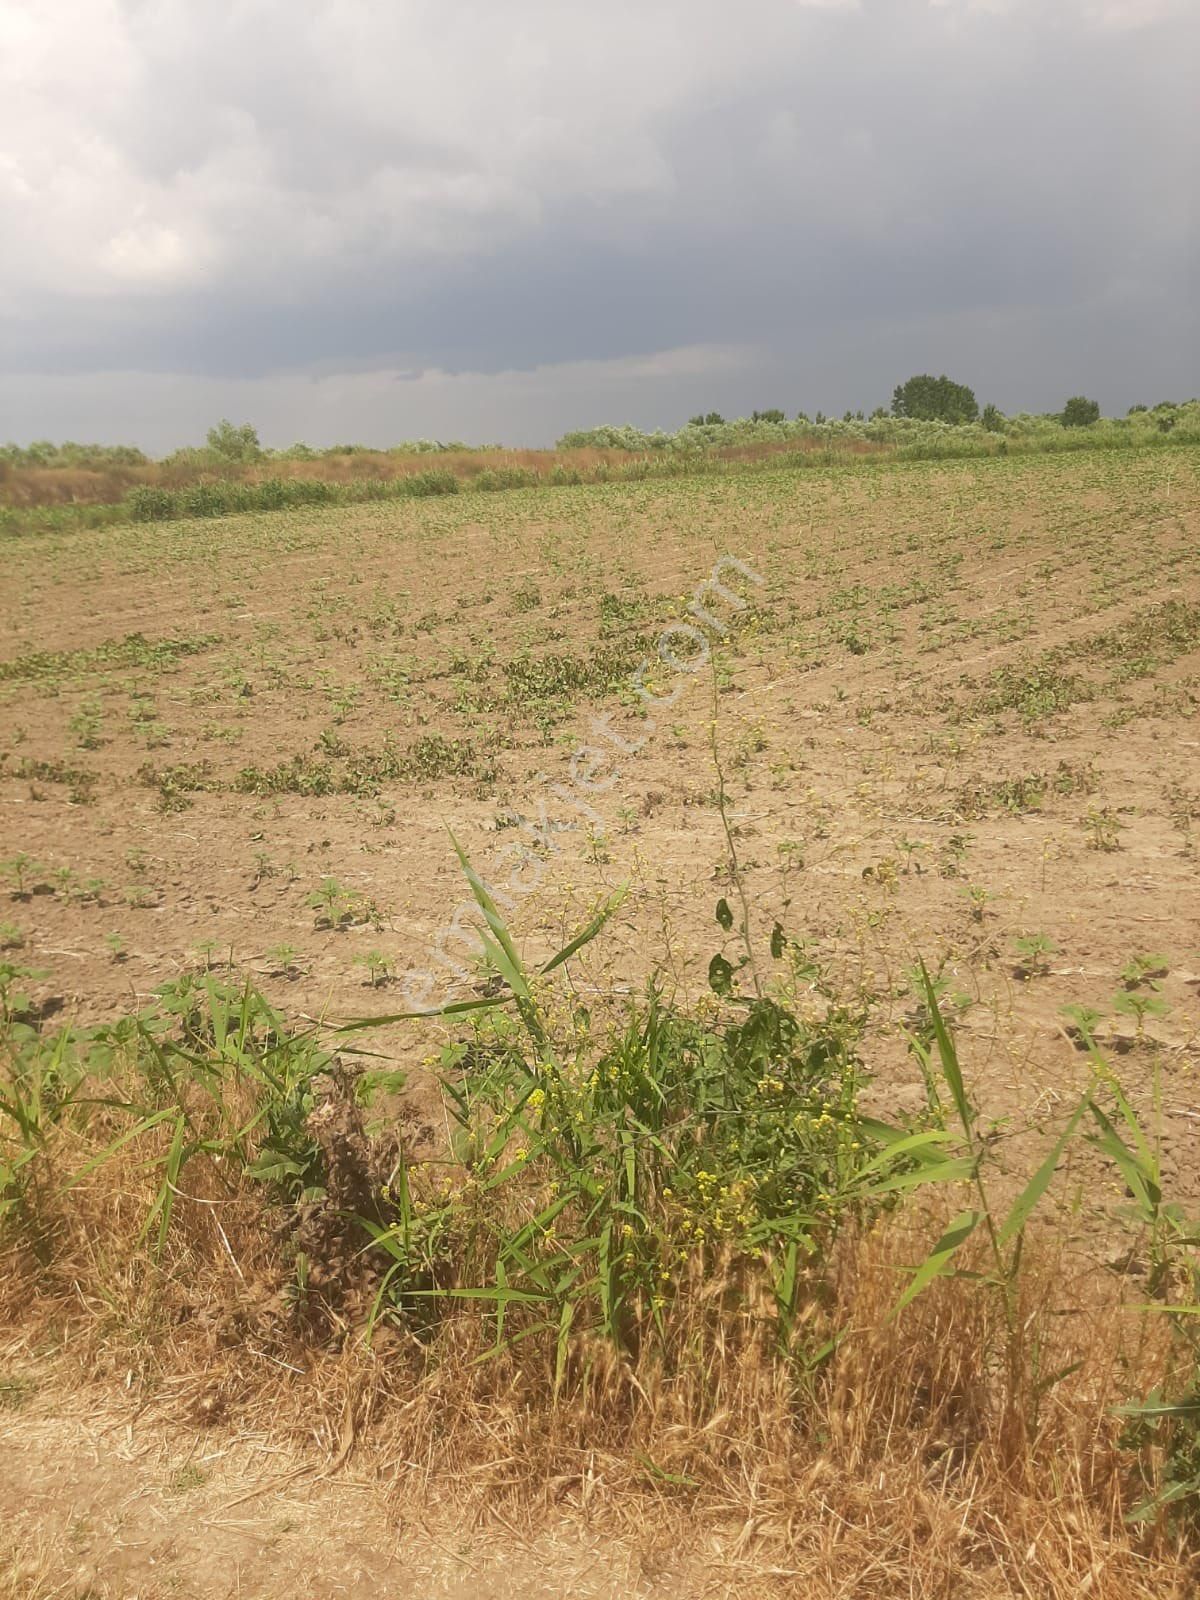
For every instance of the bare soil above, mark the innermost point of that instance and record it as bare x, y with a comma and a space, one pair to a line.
887, 801
956, 720
127, 1506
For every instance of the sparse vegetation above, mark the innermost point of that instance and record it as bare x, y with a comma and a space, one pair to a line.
694, 1194
673, 1191
45, 490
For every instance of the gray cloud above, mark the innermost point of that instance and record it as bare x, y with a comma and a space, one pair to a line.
244, 205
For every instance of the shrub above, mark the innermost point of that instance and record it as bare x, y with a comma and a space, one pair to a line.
271, 494
149, 504
209, 499
233, 443
506, 478
93, 457
431, 483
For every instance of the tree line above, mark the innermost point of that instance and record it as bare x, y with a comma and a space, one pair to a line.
924, 398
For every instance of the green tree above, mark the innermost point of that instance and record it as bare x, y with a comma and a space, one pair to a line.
773, 415
234, 444
1080, 412
932, 399
993, 419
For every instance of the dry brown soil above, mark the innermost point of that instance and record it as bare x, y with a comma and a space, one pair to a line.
957, 719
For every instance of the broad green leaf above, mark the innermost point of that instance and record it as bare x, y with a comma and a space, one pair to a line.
453, 1008
494, 920
1140, 1181
939, 1258
508, 1296
1172, 1493
948, 1056
961, 1170
720, 976
1151, 1408
565, 1317
926, 1146
1033, 1191
589, 933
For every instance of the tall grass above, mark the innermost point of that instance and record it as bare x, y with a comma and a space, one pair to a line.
666, 1241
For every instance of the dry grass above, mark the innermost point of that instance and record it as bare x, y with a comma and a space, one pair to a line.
29, 487
921, 1459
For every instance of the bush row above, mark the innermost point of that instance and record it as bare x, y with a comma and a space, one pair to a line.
150, 503
910, 436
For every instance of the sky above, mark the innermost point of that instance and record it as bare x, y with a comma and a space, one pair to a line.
377, 220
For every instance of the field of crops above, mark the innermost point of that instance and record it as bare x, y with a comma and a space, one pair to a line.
955, 719
783, 735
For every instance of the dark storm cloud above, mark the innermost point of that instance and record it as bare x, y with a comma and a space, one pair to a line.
1007, 190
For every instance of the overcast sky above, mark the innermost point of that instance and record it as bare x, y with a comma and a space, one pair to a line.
498, 219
